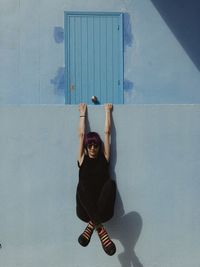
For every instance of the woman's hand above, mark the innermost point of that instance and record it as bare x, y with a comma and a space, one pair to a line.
82, 109
108, 107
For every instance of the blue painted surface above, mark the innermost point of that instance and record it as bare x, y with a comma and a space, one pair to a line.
155, 148
161, 55
128, 85
128, 34
59, 81
94, 57
58, 34
182, 17
155, 161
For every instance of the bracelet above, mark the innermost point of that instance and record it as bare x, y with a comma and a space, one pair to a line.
82, 115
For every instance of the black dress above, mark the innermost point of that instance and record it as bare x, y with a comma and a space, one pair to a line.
95, 196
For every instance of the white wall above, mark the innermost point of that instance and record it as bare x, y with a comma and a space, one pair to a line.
155, 160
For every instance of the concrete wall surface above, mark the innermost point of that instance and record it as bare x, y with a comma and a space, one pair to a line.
155, 161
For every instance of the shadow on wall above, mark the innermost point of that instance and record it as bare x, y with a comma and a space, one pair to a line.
182, 17
128, 36
59, 81
124, 227
127, 230
58, 34
128, 42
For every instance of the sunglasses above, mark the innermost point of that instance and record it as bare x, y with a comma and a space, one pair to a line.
95, 146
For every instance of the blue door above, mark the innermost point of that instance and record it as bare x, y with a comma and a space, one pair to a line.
94, 57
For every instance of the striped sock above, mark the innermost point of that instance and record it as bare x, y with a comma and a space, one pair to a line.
107, 244
85, 237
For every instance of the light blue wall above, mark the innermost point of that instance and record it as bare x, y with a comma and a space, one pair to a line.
155, 159
155, 147
157, 69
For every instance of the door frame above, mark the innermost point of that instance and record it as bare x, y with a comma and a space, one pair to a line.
67, 15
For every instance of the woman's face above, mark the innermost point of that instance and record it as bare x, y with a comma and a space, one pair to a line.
93, 150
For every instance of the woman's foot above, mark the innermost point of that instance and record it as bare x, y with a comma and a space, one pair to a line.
107, 244
84, 238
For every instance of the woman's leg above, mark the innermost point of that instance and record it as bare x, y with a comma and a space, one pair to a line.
86, 211
103, 210
80, 211
85, 237
88, 204
106, 201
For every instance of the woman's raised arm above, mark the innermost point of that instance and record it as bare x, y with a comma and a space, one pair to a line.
81, 130
108, 109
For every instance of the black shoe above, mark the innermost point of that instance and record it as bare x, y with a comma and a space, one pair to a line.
107, 244
84, 238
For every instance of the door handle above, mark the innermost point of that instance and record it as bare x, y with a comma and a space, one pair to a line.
94, 99
72, 87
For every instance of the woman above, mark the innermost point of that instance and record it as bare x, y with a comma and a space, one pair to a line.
95, 191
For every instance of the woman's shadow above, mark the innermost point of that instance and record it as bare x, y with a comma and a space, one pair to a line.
124, 227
